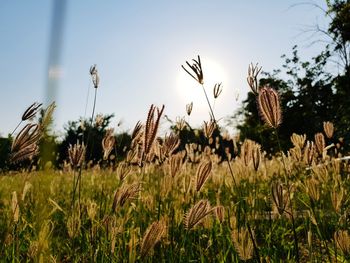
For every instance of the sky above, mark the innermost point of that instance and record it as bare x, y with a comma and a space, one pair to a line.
139, 47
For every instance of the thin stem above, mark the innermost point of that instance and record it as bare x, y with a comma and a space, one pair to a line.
93, 108
210, 108
16, 128
296, 246
254, 244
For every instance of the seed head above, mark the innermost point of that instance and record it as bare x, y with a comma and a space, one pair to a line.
171, 143
123, 170
152, 236
196, 67
209, 128
269, 107
25, 145
243, 243
203, 173
31, 111
342, 239
94, 76
217, 90
125, 193
252, 79
175, 164
151, 128
298, 140
189, 108
15, 207
196, 214
108, 142
328, 128
313, 189
220, 213
309, 152
320, 142
280, 197
76, 154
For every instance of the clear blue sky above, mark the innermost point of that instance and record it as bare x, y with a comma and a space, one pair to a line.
139, 47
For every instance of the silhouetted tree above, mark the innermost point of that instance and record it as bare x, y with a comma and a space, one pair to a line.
309, 93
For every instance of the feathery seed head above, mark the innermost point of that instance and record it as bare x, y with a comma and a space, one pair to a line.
171, 143
175, 164
220, 213
196, 67
152, 236
309, 152
196, 214
94, 76
269, 106
189, 108
125, 193
320, 142
123, 170
298, 140
151, 128
342, 239
25, 145
217, 90
328, 129
31, 111
76, 154
313, 189
209, 128
243, 243
15, 207
108, 142
252, 79
203, 173
280, 197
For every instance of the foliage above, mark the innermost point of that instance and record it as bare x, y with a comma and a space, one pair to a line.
309, 93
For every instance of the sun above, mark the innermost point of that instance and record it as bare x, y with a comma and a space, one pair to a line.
191, 91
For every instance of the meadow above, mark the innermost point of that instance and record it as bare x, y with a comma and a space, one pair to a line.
161, 204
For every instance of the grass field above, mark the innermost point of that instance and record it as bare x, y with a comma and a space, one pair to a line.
271, 213
162, 204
